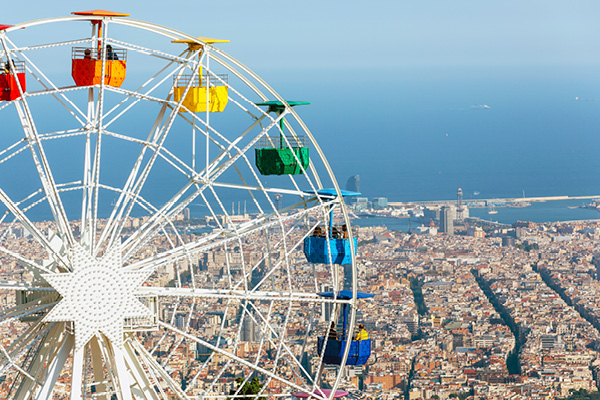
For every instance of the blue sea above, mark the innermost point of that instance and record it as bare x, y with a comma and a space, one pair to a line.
422, 133
508, 131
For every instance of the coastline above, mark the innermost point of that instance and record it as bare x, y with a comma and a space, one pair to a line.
552, 211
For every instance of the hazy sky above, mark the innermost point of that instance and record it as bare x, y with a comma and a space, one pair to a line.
397, 86
375, 34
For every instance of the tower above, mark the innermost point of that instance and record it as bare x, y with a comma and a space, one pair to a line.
326, 308
462, 211
249, 330
447, 220
278, 201
353, 183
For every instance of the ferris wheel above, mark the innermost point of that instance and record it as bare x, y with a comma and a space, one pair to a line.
169, 228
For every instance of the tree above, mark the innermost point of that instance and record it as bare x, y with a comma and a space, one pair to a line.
582, 394
249, 391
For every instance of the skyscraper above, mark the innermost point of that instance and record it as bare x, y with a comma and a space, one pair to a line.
249, 332
326, 307
353, 183
447, 220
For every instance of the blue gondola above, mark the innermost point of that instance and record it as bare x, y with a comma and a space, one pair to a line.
360, 350
317, 251
316, 248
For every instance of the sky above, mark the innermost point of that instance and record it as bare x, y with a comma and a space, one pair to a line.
398, 88
315, 34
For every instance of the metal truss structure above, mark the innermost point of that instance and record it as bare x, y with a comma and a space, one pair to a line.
124, 272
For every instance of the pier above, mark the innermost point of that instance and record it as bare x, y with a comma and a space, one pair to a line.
494, 201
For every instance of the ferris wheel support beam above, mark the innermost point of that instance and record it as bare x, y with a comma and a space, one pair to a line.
55, 90
154, 366
241, 295
40, 160
237, 359
119, 208
121, 374
160, 136
167, 211
42, 358
94, 190
86, 211
97, 367
44, 172
143, 388
204, 244
56, 367
77, 372
86, 226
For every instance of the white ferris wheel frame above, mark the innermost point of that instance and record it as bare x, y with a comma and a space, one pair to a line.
142, 366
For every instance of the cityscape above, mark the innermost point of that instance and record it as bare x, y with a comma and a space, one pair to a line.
234, 201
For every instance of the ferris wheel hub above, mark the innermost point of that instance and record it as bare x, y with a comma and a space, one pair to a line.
97, 295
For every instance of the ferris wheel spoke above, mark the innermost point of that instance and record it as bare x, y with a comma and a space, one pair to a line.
157, 369
27, 262
125, 196
267, 331
25, 310
14, 150
217, 166
213, 240
240, 295
55, 367
144, 231
43, 169
93, 176
143, 383
226, 151
40, 161
135, 94
159, 219
12, 285
17, 350
137, 185
41, 358
235, 358
30, 227
49, 85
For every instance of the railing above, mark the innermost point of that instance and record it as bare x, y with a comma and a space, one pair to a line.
335, 232
92, 53
214, 80
6, 68
144, 323
268, 142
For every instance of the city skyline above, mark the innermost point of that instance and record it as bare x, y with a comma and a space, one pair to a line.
124, 274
